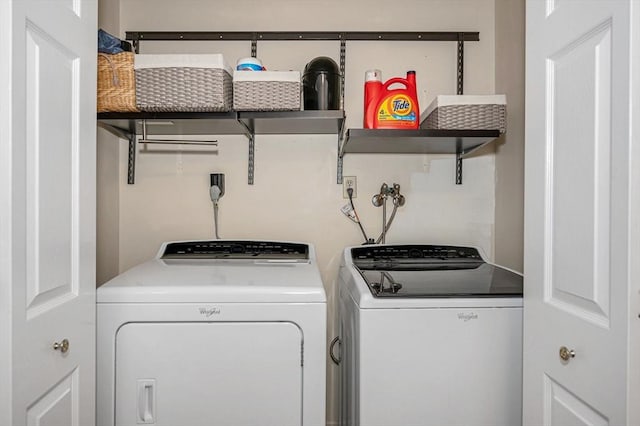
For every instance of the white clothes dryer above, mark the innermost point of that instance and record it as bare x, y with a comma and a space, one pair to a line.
430, 335
214, 333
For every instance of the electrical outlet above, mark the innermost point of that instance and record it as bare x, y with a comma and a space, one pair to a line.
217, 179
349, 182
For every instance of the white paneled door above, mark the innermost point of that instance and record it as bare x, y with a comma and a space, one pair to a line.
50, 211
577, 212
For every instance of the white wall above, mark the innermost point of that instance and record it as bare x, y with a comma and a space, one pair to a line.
295, 195
107, 174
509, 217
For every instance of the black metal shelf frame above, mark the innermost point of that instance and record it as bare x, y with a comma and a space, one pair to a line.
129, 125
126, 125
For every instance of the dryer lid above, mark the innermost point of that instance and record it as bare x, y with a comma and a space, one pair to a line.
221, 271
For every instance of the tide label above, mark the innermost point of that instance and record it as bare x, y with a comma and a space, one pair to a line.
397, 109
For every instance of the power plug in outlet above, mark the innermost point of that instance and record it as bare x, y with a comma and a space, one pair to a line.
349, 182
217, 179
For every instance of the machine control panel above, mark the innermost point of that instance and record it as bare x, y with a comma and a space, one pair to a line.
414, 253
218, 249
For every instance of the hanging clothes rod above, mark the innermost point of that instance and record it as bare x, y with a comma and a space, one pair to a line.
144, 139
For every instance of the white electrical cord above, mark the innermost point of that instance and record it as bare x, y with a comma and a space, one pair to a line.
215, 192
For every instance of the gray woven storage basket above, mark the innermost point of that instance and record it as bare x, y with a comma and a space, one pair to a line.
266, 96
469, 117
182, 89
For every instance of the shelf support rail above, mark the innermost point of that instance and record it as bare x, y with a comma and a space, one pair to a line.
131, 164
460, 91
341, 136
458, 169
252, 156
138, 36
343, 67
254, 46
460, 63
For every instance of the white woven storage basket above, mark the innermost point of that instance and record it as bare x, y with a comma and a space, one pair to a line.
266, 91
467, 113
204, 84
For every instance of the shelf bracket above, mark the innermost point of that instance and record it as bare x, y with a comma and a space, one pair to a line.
130, 136
251, 137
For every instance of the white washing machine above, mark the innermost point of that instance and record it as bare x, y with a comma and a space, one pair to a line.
429, 335
214, 333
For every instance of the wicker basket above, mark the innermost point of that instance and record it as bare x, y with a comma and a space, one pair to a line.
183, 83
266, 91
467, 113
116, 83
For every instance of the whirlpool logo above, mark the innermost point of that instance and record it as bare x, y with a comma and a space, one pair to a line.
209, 312
467, 316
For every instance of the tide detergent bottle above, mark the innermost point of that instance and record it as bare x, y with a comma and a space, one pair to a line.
391, 108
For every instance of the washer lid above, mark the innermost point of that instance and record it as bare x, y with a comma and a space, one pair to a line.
443, 280
232, 278
393, 276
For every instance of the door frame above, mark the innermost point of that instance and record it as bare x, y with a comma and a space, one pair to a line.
6, 298
633, 385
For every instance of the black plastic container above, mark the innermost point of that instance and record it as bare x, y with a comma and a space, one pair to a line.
321, 84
